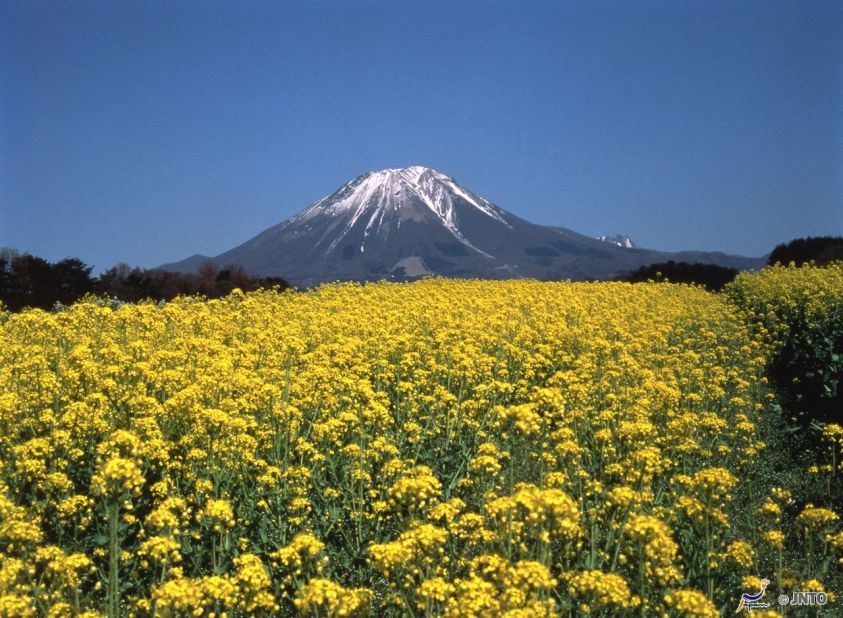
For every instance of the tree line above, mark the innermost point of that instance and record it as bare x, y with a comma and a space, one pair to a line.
821, 250
31, 281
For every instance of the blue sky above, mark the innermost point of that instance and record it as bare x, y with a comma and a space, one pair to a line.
147, 131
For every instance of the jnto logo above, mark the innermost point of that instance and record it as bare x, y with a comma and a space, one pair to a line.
753, 601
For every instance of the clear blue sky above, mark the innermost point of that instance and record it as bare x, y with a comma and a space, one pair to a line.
147, 131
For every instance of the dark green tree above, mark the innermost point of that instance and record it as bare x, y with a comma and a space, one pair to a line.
819, 249
709, 275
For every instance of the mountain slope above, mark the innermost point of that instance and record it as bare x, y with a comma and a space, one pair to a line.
409, 222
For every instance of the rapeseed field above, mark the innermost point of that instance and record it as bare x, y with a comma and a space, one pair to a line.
442, 448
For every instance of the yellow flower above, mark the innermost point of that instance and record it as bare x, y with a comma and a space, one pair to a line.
740, 553
434, 590
414, 552
323, 597
691, 604
418, 490
217, 513
815, 519
488, 459
775, 538
161, 550
652, 538
600, 590
117, 476
301, 558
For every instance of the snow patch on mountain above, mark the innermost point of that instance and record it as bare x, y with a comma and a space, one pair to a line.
620, 240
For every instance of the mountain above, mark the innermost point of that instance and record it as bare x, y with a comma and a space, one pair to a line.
620, 240
415, 221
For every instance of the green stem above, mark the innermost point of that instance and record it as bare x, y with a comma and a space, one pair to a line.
113, 599
708, 579
641, 579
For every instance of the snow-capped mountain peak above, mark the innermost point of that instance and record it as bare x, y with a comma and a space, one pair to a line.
386, 188
391, 196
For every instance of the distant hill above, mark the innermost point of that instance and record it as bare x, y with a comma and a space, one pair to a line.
415, 221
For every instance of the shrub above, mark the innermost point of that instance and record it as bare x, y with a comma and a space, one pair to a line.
800, 310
